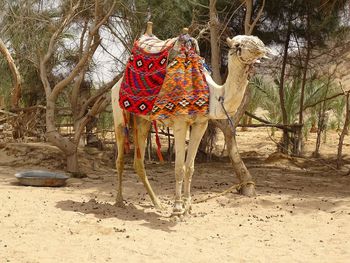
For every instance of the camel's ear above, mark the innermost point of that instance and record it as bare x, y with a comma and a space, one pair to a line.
229, 42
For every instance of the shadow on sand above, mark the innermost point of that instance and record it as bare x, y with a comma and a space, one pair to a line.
152, 219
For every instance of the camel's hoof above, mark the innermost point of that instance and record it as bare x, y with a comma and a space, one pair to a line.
188, 209
188, 212
178, 212
177, 218
159, 207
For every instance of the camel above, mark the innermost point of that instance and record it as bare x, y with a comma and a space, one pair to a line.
244, 51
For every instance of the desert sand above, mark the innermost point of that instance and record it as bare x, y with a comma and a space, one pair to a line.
301, 212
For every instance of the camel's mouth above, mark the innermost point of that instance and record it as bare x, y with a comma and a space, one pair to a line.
262, 57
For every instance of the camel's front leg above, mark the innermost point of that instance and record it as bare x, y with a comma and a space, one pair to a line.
142, 130
180, 130
197, 132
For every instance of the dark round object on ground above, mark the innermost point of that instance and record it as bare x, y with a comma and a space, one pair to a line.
41, 178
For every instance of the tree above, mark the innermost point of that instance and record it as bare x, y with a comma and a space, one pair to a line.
52, 91
302, 29
63, 36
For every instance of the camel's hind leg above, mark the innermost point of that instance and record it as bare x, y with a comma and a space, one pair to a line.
142, 130
197, 132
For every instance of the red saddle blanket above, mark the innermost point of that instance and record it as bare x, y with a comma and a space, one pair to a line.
143, 79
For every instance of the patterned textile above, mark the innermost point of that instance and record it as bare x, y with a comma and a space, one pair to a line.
184, 90
143, 79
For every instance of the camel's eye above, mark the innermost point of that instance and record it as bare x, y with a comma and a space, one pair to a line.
237, 45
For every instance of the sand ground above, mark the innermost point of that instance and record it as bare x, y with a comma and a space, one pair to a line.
301, 212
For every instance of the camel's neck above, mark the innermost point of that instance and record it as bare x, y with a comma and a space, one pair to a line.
235, 85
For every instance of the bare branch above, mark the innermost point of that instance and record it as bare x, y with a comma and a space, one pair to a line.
100, 92
252, 25
89, 51
50, 50
248, 16
104, 19
57, 33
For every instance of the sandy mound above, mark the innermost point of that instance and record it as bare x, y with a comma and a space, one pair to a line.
50, 157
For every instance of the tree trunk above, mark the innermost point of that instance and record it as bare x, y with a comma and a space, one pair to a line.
16, 78
284, 148
64, 144
299, 134
320, 128
344, 132
321, 125
238, 165
214, 42
72, 163
245, 121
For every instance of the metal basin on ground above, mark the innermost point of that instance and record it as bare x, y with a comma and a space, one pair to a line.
41, 178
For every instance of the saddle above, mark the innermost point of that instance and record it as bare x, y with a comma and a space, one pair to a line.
152, 44
164, 78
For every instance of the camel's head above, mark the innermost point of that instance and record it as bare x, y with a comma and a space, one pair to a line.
248, 49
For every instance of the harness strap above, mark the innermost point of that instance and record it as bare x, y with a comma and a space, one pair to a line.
136, 140
230, 120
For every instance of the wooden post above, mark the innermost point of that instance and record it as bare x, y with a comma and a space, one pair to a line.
149, 28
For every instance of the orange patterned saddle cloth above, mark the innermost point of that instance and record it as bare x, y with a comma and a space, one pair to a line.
184, 91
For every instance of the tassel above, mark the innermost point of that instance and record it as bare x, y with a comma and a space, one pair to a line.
159, 153
126, 133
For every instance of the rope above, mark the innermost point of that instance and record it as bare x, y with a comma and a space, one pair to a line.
238, 187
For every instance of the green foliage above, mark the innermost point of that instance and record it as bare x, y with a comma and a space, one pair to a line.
324, 19
5, 83
267, 95
269, 98
256, 96
338, 108
169, 17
